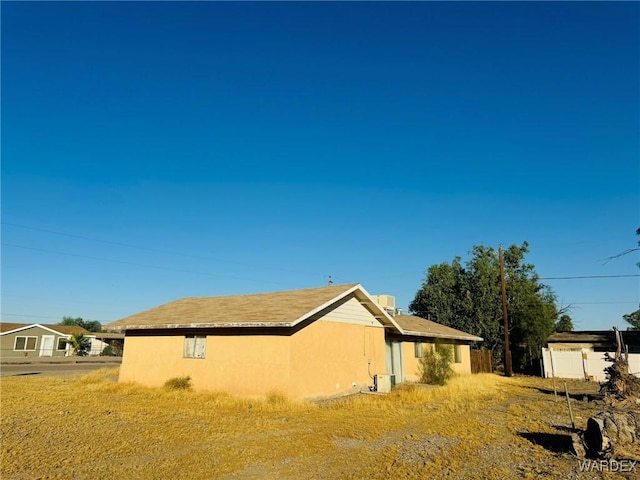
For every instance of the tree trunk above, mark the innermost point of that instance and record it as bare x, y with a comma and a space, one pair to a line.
606, 430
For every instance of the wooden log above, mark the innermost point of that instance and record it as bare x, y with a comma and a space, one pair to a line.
606, 430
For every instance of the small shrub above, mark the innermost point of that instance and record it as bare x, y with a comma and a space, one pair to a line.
107, 352
435, 364
114, 349
276, 398
178, 383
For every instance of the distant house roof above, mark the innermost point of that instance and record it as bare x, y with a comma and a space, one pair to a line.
7, 327
60, 329
412, 325
277, 309
106, 335
602, 337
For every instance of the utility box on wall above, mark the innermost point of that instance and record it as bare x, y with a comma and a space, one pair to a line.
383, 383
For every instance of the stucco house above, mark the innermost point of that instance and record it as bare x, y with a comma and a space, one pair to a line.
36, 340
307, 343
418, 334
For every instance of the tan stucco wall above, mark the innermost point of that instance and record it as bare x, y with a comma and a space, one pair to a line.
327, 358
464, 367
243, 365
323, 359
411, 363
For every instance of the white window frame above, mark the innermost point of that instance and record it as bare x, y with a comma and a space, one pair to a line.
66, 343
195, 346
26, 343
418, 349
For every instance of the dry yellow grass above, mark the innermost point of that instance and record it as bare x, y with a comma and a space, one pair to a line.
92, 427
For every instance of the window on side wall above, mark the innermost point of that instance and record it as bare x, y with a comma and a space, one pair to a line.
195, 346
25, 343
457, 353
417, 349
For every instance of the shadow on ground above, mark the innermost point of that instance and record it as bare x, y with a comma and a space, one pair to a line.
554, 442
580, 397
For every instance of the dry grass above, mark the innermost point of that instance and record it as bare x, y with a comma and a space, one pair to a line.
92, 427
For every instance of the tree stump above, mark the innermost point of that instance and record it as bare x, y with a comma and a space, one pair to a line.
607, 430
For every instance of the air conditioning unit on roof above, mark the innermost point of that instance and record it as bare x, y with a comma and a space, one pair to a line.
388, 302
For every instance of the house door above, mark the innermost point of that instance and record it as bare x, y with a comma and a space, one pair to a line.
46, 345
394, 359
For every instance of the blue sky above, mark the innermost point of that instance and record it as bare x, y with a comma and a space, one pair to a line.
152, 151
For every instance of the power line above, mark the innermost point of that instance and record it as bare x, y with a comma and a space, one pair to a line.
47, 316
151, 249
589, 276
124, 262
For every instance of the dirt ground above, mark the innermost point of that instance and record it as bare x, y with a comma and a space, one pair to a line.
480, 426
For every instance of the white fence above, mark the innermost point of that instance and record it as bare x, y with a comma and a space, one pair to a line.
582, 364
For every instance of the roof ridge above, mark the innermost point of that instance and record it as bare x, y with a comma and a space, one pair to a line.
342, 285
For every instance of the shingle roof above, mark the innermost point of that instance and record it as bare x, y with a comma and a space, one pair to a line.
263, 309
594, 336
62, 329
68, 329
7, 327
421, 327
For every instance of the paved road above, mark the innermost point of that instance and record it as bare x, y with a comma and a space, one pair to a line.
8, 370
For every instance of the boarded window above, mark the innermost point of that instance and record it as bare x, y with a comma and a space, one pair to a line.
457, 353
25, 343
195, 346
417, 349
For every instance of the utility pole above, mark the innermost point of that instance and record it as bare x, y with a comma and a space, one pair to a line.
508, 371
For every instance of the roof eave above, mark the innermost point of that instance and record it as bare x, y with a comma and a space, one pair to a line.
469, 338
173, 326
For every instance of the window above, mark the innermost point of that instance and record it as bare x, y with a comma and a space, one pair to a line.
194, 346
25, 343
62, 344
417, 349
457, 353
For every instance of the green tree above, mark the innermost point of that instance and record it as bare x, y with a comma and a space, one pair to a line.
633, 319
564, 324
468, 297
90, 325
78, 343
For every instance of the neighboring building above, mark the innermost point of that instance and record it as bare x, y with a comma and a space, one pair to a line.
582, 354
594, 340
40, 340
36, 340
306, 343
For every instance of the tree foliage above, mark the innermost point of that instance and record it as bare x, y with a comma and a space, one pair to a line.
78, 343
468, 297
633, 319
90, 325
564, 324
